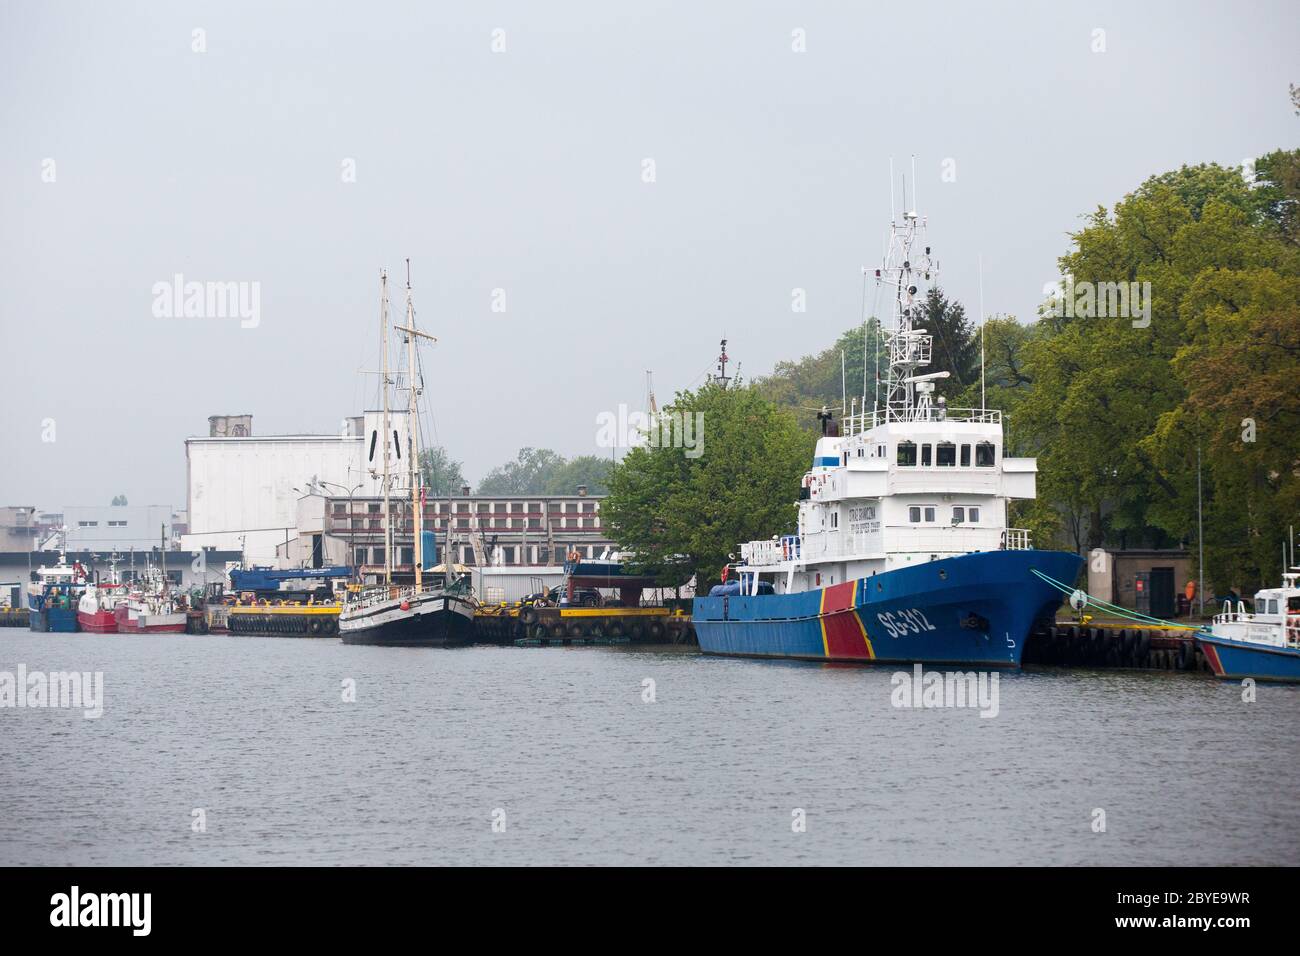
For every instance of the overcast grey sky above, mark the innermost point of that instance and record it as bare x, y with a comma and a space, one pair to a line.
522, 170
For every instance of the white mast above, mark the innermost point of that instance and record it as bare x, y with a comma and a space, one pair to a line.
909, 348
413, 429
385, 424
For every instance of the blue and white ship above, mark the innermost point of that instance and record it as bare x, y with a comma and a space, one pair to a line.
902, 551
1263, 644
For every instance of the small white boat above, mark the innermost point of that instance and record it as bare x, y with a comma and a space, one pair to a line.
1263, 644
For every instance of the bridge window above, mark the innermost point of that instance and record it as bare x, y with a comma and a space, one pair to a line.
958, 515
945, 454
914, 515
973, 515
965, 456
925, 455
985, 456
907, 453
929, 514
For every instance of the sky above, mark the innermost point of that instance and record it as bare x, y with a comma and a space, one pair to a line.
586, 191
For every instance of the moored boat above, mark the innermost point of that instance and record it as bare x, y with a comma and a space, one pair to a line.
53, 596
150, 608
903, 551
415, 615
98, 603
1263, 644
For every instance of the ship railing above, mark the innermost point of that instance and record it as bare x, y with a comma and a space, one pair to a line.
1231, 615
788, 547
1017, 539
862, 421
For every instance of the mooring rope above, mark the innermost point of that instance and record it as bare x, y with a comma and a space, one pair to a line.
1135, 616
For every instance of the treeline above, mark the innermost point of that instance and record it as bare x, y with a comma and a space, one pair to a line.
535, 471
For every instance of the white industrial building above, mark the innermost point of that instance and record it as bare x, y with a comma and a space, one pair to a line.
120, 528
244, 489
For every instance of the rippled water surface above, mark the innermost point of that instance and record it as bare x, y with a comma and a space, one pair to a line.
255, 732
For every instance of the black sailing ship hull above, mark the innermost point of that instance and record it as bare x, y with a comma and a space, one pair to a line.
434, 621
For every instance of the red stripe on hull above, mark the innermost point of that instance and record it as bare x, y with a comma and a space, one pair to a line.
1212, 655
842, 627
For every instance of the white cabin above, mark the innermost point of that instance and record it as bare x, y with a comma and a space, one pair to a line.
1275, 621
896, 494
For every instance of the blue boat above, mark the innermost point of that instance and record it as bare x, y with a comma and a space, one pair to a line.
52, 597
1263, 644
902, 551
974, 609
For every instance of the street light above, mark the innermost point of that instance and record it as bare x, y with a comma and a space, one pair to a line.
352, 555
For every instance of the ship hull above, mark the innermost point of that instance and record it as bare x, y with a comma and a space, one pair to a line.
1236, 660
129, 622
102, 621
975, 609
441, 621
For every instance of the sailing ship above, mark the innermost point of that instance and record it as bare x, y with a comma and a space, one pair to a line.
902, 551
437, 615
1263, 644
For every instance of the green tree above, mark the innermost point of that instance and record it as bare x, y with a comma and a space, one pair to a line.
669, 508
806, 385
528, 474
955, 345
442, 476
588, 470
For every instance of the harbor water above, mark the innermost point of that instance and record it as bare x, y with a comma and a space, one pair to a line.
624, 755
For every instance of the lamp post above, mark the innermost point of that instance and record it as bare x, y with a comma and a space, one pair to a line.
352, 556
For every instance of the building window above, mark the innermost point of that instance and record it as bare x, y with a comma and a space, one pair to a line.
508, 553
589, 522
907, 453
945, 454
88, 524
572, 508
340, 508
517, 507
373, 509
117, 524
985, 456
588, 506
462, 522
925, 455
534, 522
359, 556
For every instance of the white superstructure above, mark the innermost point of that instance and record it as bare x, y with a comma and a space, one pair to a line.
1275, 622
909, 481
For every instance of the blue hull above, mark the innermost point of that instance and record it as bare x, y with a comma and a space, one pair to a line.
1236, 660
973, 609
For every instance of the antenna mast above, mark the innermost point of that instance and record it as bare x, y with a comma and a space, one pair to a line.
722, 366
909, 348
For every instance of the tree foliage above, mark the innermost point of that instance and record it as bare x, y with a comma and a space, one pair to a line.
442, 475
540, 471
671, 508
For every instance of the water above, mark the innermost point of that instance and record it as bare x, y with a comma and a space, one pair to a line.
255, 732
